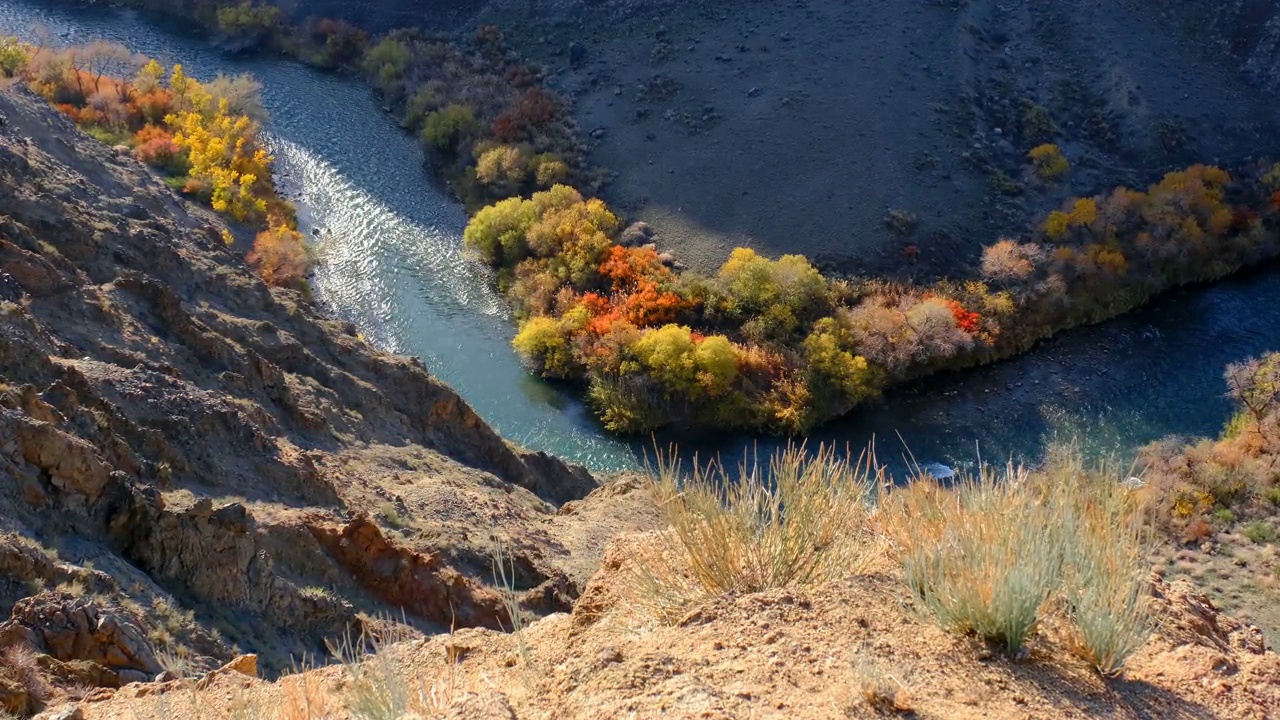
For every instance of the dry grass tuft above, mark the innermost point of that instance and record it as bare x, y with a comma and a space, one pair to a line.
988, 555
379, 690
18, 664
801, 520
880, 690
1107, 546
978, 556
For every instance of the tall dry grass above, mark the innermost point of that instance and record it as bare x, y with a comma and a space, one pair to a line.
996, 552
980, 556
1107, 545
800, 519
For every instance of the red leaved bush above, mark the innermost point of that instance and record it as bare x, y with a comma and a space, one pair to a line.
966, 320
280, 258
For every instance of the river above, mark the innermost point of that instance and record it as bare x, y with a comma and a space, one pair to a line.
388, 243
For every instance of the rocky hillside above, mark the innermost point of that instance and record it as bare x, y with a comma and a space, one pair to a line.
194, 465
847, 649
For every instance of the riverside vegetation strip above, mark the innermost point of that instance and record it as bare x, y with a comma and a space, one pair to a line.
765, 345
204, 138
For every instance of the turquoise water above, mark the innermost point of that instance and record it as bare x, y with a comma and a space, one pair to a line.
388, 243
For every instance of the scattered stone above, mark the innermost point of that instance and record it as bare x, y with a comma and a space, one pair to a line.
244, 664
610, 655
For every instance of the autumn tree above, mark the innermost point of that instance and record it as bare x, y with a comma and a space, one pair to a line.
224, 154
1255, 385
1010, 262
503, 168
242, 94
281, 258
111, 60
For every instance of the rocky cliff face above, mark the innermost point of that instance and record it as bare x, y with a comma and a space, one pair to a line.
190, 461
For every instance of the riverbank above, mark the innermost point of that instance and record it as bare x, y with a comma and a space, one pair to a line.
500, 144
388, 244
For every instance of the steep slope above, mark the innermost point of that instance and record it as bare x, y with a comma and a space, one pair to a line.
190, 461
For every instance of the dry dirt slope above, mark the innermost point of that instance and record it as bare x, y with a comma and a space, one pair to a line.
192, 464
801, 654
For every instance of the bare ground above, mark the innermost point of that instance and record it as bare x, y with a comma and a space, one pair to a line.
797, 127
849, 649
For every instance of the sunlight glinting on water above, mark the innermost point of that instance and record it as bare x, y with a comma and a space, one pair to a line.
363, 245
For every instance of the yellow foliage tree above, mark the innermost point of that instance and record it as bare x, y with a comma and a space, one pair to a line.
1083, 213
224, 155
1055, 226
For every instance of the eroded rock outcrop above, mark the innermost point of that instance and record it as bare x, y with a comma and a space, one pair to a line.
219, 449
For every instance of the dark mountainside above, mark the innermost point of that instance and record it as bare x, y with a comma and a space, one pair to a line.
798, 128
193, 465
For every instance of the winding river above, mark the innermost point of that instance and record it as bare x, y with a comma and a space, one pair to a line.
388, 243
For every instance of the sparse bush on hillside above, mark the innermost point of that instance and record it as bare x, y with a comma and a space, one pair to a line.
799, 519
13, 56
1049, 161
1036, 126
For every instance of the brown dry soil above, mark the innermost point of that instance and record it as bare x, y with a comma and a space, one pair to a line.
850, 649
193, 465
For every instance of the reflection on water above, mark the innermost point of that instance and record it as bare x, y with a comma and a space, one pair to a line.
388, 243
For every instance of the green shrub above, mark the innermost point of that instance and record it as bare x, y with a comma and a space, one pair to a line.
421, 103
247, 20
386, 63
446, 129
1261, 532
13, 56
498, 231
1272, 495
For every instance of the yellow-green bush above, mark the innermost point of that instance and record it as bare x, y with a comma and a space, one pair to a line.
1049, 161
